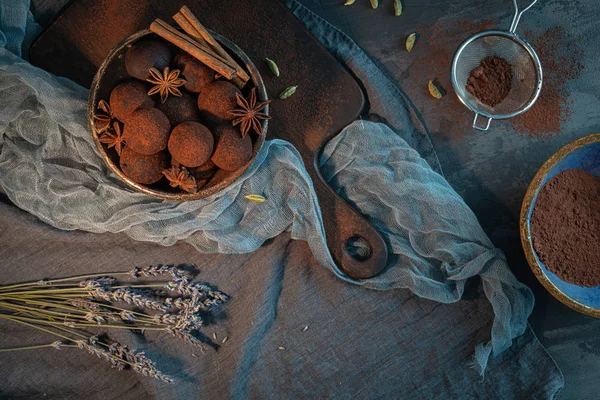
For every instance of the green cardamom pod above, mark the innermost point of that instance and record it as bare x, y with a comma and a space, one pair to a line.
273, 67
257, 198
287, 92
410, 41
397, 8
435, 89
374, 3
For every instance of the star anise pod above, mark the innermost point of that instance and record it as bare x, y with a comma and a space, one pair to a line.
113, 138
165, 83
249, 114
180, 177
103, 120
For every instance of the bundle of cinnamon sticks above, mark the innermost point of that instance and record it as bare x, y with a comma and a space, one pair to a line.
200, 44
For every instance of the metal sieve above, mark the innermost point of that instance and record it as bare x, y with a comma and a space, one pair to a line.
525, 64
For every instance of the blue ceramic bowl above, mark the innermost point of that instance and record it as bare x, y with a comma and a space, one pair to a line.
583, 154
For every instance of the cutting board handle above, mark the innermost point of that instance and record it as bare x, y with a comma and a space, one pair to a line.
344, 225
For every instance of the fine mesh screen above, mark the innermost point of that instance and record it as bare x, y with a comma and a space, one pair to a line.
524, 78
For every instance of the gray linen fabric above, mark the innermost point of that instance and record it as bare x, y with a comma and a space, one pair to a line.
49, 166
360, 343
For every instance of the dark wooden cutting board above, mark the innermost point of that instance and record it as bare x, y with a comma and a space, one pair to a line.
327, 100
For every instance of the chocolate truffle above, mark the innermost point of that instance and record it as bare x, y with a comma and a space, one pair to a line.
196, 73
218, 177
232, 151
147, 131
145, 55
205, 171
191, 144
142, 168
127, 97
216, 100
180, 109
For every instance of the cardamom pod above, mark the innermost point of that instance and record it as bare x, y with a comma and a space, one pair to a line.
349, 2
410, 41
257, 198
374, 3
397, 8
435, 89
287, 92
273, 67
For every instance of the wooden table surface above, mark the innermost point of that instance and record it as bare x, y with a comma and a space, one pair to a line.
492, 170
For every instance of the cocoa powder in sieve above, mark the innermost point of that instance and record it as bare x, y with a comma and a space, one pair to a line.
490, 82
565, 227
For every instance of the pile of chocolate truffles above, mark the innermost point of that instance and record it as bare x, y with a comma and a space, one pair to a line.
183, 128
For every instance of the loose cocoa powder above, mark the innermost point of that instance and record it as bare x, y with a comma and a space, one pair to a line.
565, 227
490, 82
561, 57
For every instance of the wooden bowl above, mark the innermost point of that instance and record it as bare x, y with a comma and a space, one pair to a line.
583, 154
112, 72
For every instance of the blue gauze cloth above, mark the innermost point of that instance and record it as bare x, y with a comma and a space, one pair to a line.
49, 166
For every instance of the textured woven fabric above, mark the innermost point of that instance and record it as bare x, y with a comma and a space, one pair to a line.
49, 166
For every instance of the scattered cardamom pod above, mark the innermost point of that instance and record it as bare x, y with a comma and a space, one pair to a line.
374, 3
287, 92
397, 8
435, 89
410, 41
349, 2
257, 198
273, 67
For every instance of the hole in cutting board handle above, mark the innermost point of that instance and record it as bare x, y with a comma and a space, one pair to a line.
358, 248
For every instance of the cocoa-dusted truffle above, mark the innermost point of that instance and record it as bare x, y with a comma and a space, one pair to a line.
180, 109
205, 171
145, 55
231, 151
218, 177
127, 97
142, 168
196, 73
191, 144
216, 100
147, 131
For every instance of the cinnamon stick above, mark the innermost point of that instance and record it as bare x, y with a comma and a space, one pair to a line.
190, 24
190, 46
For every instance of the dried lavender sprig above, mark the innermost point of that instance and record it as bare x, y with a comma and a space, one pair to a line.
92, 316
166, 319
55, 345
99, 281
130, 355
127, 315
148, 292
186, 288
128, 296
90, 346
186, 336
85, 304
152, 372
155, 270
139, 362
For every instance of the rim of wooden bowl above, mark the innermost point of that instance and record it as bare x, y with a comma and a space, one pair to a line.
93, 99
534, 188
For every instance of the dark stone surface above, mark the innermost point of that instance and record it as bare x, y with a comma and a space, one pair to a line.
490, 170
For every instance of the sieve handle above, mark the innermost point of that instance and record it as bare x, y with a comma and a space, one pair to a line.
481, 128
517, 17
